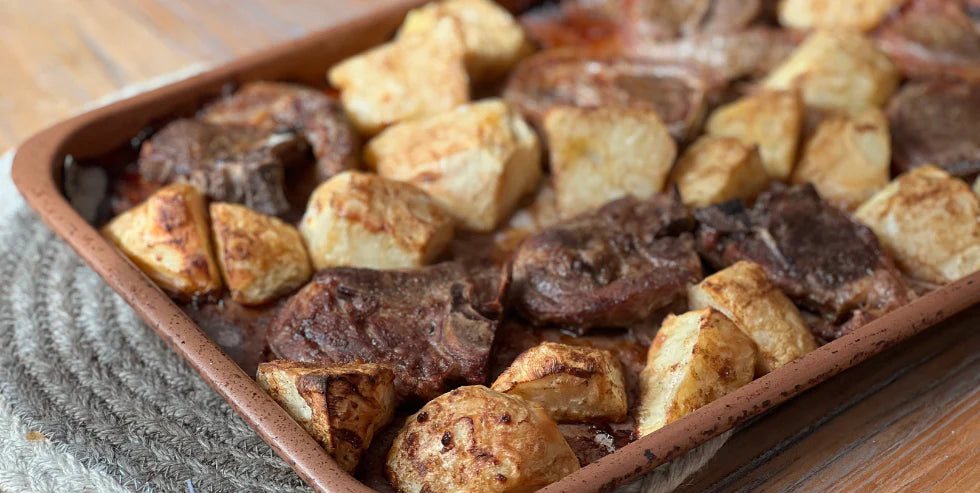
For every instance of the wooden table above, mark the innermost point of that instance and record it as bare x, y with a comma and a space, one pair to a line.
57, 55
907, 420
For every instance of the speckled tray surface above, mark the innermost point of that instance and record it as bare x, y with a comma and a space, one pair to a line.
37, 171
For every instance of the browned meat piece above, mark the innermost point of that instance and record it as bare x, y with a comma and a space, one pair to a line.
731, 53
291, 107
820, 257
623, 23
936, 122
614, 267
230, 163
677, 92
572, 24
932, 38
435, 325
751, 52
647, 20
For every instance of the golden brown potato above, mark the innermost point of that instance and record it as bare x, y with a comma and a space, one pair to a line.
408, 78
928, 221
770, 120
474, 439
744, 294
261, 257
168, 238
493, 41
341, 406
602, 154
365, 220
716, 169
696, 358
477, 160
573, 383
847, 159
861, 15
837, 70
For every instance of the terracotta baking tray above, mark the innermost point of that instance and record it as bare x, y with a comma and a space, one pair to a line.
37, 172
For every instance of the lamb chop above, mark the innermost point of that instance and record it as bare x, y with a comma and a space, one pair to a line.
230, 163
647, 20
929, 38
576, 25
822, 259
613, 267
677, 92
621, 24
290, 107
435, 325
936, 122
748, 53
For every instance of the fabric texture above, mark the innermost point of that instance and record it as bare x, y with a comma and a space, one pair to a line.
92, 400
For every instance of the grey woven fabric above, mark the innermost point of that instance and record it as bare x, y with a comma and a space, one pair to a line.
78, 366
115, 408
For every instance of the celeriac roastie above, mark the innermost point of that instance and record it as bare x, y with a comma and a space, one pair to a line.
495, 249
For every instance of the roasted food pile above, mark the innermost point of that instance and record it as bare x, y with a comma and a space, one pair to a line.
494, 250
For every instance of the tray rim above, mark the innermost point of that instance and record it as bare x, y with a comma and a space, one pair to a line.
37, 166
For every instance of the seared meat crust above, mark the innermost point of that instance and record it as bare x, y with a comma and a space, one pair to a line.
292, 107
821, 258
434, 325
930, 38
613, 267
228, 163
677, 92
936, 122
747, 53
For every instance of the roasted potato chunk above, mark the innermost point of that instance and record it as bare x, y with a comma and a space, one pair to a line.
928, 221
474, 439
744, 294
168, 238
847, 159
602, 154
837, 70
365, 220
411, 77
260, 257
341, 406
493, 41
861, 15
715, 169
573, 383
477, 160
696, 358
770, 120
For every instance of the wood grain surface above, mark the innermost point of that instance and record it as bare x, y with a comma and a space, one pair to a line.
906, 420
57, 55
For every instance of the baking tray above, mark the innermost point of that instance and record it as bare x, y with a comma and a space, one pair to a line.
37, 172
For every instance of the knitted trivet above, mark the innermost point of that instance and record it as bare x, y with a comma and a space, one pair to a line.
92, 400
